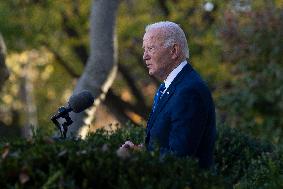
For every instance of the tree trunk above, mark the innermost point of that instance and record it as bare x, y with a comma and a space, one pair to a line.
101, 68
4, 72
27, 98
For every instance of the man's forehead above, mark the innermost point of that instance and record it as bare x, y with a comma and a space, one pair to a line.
154, 34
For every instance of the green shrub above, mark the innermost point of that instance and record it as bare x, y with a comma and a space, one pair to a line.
94, 163
264, 172
235, 151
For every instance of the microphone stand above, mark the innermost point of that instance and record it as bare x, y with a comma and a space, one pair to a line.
62, 113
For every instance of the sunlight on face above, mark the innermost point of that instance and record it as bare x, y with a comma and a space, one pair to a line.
156, 56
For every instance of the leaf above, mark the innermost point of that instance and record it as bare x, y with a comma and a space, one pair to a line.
6, 151
81, 152
52, 179
105, 148
62, 153
123, 153
23, 177
48, 140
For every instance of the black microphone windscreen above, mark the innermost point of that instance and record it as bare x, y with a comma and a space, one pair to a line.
81, 101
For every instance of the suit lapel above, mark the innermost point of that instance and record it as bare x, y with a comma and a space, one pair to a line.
166, 96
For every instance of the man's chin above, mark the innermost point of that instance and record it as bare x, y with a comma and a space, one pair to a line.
153, 74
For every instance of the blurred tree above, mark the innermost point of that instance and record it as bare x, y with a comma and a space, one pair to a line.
101, 68
253, 45
4, 72
65, 37
26, 93
29, 70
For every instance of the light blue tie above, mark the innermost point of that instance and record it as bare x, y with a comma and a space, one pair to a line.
158, 95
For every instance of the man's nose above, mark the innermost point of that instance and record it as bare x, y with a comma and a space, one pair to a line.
146, 56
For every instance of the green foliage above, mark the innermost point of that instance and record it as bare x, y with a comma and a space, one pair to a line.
235, 152
252, 44
62, 28
42, 28
95, 163
264, 172
237, 53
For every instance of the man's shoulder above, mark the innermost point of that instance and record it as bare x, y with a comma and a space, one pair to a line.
192, 82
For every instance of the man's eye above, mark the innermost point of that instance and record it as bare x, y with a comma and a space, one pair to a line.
149, 49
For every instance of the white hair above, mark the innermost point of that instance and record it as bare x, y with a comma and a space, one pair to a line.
173, 34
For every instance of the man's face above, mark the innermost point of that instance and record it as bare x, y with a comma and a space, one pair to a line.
157, 57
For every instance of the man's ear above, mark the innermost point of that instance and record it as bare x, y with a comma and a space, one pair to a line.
175, 51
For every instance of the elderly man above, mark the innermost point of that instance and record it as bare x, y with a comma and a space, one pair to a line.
182, 120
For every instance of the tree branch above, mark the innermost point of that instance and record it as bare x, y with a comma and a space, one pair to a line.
117, 106
79, 49
131, 83
61, 61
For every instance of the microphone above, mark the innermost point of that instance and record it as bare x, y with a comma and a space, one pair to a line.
81, 101
77, 103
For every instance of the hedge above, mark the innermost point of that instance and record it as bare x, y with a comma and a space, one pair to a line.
240, 162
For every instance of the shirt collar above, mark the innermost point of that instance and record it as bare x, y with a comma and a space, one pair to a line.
173, 74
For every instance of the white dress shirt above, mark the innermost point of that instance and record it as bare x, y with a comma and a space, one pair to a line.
173, 74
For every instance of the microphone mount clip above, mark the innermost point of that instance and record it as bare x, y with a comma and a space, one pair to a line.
62, 113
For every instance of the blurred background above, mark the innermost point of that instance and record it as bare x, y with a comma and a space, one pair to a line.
236, 45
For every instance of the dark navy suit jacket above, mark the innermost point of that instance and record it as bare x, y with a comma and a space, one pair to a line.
183, 122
